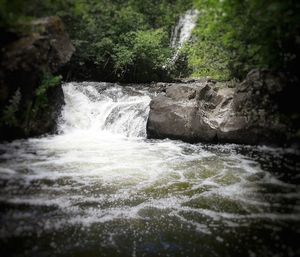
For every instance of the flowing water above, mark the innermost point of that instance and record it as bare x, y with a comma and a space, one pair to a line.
101, 188
183, 31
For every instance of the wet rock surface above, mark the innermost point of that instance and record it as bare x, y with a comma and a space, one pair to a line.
206, 111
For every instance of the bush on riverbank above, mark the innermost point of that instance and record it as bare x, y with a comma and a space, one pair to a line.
128, 40
115, 40
232, 37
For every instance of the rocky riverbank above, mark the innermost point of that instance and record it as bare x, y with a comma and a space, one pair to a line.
206, 111
262, 109
30, 92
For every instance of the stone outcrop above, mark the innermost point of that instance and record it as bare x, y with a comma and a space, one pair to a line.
206, 111
44, 48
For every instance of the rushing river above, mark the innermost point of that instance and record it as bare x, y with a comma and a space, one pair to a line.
100, 188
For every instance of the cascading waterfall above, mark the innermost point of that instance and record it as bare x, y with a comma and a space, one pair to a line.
183, 31
100, 188
94, 107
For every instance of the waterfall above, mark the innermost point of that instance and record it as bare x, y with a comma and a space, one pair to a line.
183, 31
98, 107
99, 188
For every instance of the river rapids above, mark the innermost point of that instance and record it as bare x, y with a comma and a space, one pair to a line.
101, 188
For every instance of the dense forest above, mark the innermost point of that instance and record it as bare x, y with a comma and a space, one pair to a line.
149, 128
130, 40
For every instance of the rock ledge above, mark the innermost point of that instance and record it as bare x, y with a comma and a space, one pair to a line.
206, 111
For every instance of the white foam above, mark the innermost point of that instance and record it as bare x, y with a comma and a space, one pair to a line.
101, 168
183, 31
111, 110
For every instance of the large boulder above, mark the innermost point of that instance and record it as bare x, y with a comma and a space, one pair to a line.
177, 115
44, 48
206, 111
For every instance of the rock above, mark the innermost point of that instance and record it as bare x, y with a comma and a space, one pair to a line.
177, 120
24, 62
61, 48
208, 112
48, 45
182, 92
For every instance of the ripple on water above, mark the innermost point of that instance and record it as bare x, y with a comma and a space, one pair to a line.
99, 193
168, 184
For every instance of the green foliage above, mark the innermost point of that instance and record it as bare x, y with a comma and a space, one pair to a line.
124, 39
129, 39
40, 104
234, 36
41, 99
9, 117
109, 35
151, 51
141, 52
9, 10
23, 115
123, 58
148, 46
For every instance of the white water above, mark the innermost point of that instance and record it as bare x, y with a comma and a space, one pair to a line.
102, 173
183, 31
94, 108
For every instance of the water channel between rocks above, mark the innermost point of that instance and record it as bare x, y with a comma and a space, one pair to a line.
101, 188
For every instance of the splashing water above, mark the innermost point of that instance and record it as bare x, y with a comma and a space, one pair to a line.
183, 31
100, 188
96, 107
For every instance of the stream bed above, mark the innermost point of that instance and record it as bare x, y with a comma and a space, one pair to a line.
101, 188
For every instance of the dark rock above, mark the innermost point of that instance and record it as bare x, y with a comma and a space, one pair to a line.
45, 122
202, 112
24, 62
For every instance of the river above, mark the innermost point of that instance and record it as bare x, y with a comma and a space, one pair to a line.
101, 188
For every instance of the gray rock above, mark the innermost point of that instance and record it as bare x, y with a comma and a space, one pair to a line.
206, 112
177, 120
181, 92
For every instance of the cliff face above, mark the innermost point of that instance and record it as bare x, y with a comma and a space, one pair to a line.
205, 111
30, 96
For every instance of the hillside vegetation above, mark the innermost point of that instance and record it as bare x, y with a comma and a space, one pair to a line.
234, 36
130, 39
